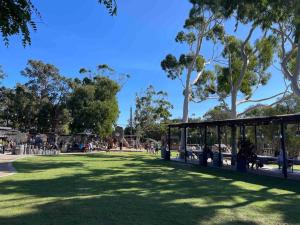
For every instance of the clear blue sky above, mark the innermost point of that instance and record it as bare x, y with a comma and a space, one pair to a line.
75, 34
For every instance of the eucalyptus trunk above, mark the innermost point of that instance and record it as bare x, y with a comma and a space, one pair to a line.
185, 117
295, 78
233, 128
187, 92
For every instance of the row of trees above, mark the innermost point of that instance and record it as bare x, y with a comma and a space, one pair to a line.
242, 66
51, 102
272, 31
151, 115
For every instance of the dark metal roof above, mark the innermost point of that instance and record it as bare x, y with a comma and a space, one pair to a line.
289, 118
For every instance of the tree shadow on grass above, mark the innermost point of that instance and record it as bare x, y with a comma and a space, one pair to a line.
30, 167
147, 191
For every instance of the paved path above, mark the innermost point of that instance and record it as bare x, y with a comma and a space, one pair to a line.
6, 167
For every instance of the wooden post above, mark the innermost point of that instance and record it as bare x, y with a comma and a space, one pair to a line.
219, 143
205, 147
169, 141
284, 166
233, 145
200, 144
255, 137
243, 132
185, 150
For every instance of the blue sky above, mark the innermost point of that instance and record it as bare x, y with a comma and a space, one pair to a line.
80, 33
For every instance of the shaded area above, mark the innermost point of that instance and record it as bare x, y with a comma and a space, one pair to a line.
137, 189
6, 169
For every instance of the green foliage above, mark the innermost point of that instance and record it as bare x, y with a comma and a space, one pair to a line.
259, 12
19, 108
205, 86
17, 18
94, 107
102, 70
152, 110
172, 67
39, 104
111, 5
201, 25
49, 90
50, 102
45, 81
220, 112
224, 79
2, 73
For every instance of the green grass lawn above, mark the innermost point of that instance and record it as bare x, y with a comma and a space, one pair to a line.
139, 189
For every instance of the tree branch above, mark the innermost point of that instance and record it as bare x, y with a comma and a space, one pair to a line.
259, 100
251, 108
208, 98
245, 57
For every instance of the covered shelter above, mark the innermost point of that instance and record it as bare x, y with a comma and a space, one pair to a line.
240, 125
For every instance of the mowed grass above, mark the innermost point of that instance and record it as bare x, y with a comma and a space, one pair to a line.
139, 189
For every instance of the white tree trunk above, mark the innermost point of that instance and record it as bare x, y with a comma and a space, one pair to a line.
292, 76
185, 115
187, 92
295, 77
233, 113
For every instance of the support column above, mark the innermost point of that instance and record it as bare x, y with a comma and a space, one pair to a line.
284, 166
205, 147
233, 145
184, 144
244, 132
200, 144
168, 149
219, 143
255, 137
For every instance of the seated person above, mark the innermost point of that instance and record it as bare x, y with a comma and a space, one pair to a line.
280, 159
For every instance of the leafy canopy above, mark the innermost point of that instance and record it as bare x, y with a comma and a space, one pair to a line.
17, 18
38, 105
200, 25
151, 110
93, 105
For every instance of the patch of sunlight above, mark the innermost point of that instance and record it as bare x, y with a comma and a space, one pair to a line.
203, 175
239, 216
204, 202
161, 181
28, 205
258, 215
166, 192
247, 186
196, 202
144, 193
280, 191
17, 212
128, 190
238, 199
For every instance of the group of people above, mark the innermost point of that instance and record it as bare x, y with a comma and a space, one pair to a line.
7, 145
33, 145
88, 147
151, 148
